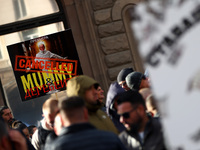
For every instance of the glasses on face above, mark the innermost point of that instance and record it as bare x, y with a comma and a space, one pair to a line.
126, 115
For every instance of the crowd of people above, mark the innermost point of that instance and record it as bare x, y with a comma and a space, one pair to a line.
127, 118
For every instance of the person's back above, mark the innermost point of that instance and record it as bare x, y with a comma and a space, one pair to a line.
86, 137
78, 134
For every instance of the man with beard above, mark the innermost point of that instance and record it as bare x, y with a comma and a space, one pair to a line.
84, 86
142, 131
7, 115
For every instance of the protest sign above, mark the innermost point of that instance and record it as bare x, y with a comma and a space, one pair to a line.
43, 65
168, 41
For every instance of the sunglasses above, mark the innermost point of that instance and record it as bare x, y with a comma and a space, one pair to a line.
126, 115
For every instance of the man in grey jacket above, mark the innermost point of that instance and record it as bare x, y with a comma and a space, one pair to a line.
142, 131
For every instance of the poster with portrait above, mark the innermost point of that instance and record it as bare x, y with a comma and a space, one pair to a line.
168, 41
43, 65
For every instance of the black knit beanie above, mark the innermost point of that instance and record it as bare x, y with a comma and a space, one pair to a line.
133, 80
123, 73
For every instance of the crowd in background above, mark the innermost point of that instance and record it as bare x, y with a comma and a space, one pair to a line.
127, 118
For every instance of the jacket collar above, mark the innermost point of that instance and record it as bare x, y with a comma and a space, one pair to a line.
76, 128
147, 131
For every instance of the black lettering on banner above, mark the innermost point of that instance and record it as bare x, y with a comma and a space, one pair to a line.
151, 58
168, 41
177, 31
196, 14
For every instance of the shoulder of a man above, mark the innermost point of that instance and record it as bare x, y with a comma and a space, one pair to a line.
154, 125
35, 140
129, 141
92, 137
40, 135
123, 135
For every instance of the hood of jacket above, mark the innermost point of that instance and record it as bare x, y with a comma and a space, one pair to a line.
77, 86
113, 91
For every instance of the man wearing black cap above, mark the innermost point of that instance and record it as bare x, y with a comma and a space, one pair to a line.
121, 77
137, 81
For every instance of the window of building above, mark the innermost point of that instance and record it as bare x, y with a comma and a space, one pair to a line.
18, 10
23, 20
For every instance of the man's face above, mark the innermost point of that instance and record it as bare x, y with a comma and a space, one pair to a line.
49, 117
129, 115
124, 85
41, 47
91, 95
7, 115
100, 94
145, 83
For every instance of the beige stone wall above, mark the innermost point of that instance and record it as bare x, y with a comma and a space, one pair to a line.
103, 37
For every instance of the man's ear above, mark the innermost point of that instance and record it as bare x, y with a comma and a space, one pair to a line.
42, 115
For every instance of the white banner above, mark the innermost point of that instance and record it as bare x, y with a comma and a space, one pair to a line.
168, 33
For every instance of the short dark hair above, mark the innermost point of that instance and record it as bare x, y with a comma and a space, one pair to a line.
2, 108
96, 85
30, 128
134, 97
70, 103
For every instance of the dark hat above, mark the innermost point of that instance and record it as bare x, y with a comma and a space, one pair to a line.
133, 80
123, 73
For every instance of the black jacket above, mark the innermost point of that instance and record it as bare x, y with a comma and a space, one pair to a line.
153, 137
113, 91
85, 137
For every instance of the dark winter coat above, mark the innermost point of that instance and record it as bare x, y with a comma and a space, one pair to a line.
84, 136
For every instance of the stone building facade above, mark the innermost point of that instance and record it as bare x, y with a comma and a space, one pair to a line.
104, 42
103, 37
